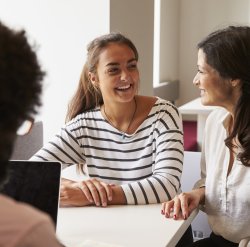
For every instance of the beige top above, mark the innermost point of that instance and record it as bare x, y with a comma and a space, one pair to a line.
23, 226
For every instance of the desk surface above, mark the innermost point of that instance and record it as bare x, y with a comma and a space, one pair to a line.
195, 107
123, 226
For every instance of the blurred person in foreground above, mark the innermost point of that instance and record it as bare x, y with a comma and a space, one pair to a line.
20, 88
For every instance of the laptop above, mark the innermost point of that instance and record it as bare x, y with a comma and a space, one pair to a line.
36, 183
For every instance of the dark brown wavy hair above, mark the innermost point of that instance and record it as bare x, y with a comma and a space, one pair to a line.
228, 51
87, 96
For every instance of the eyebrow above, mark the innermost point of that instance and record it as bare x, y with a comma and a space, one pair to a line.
129, 61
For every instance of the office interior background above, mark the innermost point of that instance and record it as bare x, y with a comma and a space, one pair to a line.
165, 32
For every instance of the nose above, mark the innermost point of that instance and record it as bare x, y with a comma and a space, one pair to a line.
196, 80
125, 75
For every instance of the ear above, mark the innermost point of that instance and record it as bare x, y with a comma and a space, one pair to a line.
93, 79
235, 82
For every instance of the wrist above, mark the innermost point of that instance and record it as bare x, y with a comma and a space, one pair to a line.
201, 192
118, 196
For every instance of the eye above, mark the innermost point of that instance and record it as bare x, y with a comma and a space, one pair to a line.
199, 71
132, 66
113, 70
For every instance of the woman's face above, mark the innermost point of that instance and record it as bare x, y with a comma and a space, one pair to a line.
117, 73
214, 90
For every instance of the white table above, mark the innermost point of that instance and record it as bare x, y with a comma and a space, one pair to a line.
195, 107
123, 226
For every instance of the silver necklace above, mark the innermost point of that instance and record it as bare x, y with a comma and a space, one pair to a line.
131, 120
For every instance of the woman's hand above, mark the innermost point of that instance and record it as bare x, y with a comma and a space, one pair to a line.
183, 205
85, 193
96, 192
71, 194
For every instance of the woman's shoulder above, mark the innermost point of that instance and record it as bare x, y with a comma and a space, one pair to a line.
156, 102
155, 108
91, 114
218, 115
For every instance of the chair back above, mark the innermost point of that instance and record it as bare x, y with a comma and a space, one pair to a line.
27, 145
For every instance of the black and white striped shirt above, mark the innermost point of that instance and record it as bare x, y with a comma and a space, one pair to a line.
147, 164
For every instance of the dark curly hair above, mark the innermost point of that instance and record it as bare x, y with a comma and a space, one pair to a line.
20, 87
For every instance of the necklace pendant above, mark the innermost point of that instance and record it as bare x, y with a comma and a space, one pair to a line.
108, 119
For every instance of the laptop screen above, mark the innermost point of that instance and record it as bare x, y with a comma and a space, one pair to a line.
36, 183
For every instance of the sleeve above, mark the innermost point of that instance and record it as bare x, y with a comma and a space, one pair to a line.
64, 147
164, 183
40, 236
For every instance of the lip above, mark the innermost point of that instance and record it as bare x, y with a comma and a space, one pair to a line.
202, 91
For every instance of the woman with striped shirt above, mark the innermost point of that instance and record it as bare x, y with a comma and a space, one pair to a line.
130, 146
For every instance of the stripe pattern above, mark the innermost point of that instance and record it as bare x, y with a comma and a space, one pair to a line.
147, 164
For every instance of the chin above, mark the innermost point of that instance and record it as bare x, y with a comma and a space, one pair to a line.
205, 102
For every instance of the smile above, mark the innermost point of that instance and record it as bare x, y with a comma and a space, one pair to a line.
202, 91
124, 87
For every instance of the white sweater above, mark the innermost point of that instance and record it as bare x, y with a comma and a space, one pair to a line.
147, 164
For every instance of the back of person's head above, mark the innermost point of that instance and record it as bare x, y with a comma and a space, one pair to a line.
20, 87
228, 51
87, 95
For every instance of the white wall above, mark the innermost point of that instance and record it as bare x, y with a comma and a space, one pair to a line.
135, 18
183, 24
61, 30
169, 40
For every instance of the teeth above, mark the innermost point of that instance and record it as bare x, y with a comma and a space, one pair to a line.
124, 87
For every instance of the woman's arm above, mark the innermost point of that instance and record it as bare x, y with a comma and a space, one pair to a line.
64, 148
167, 160
90, 192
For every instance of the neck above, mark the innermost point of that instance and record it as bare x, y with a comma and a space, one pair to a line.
118, 119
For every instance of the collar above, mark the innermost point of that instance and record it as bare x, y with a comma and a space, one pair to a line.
225, 120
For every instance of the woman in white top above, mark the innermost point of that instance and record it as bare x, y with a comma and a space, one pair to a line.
131, 146
224, 80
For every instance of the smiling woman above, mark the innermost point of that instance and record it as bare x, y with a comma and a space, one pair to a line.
223, 78
130, 146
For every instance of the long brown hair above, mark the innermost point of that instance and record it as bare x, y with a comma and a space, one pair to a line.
228, 51
87, 96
